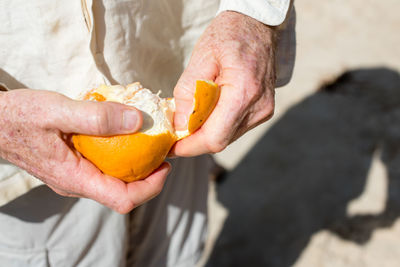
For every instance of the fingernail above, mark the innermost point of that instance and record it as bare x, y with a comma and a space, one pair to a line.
129, 120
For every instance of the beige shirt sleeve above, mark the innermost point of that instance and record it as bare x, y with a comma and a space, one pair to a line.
270, 12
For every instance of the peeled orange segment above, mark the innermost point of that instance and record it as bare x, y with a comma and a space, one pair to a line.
134, 156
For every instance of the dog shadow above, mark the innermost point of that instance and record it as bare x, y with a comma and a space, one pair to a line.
300, 177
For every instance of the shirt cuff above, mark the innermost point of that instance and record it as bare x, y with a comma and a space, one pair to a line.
270, 12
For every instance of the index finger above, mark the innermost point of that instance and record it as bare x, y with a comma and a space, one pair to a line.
218, 130
120, 196
82, 178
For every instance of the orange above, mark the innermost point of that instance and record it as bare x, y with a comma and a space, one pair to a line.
134, 156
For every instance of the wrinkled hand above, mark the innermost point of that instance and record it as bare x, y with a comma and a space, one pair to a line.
237, 52
34, 135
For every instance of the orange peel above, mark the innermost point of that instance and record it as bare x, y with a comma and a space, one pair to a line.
134, 156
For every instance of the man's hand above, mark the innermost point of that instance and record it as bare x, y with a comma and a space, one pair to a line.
34, 135
237, 52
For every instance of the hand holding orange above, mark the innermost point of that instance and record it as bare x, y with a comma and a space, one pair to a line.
134, 156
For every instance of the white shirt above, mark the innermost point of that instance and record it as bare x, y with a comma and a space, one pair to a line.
270, 12
68, 46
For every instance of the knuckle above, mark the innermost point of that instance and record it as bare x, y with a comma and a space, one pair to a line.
50, 104
61, 192
253, 92
269, 109
100, 120
216, 145
125, 208
157, 189
266, 105
264, 114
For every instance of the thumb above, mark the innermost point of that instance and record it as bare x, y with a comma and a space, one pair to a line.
199, 68
97, 118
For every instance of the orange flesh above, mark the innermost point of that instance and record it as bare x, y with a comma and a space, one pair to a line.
95, 96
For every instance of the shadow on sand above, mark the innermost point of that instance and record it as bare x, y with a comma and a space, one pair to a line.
300, 177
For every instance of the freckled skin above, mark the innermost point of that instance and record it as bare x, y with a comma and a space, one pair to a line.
34, 135
237, 52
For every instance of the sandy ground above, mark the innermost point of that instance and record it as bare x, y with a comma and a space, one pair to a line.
319, 184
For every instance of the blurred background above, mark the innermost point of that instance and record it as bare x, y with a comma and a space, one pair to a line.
319, 184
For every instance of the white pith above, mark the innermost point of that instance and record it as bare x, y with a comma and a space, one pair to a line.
158, 113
